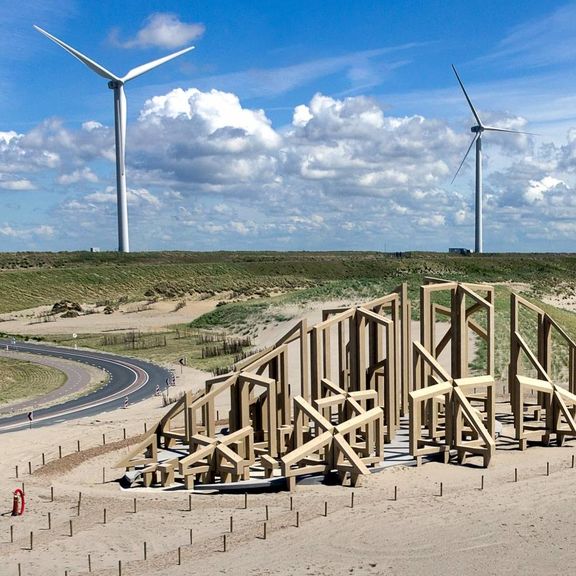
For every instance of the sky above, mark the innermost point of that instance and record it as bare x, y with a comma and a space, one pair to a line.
292, 125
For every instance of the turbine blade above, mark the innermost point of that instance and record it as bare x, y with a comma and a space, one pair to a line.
139, 70
494, 129
94, 66
468, 98
465, 156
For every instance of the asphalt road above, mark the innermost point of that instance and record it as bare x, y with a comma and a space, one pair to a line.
129, 378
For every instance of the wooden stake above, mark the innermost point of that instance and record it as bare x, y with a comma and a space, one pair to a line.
19, 569
267, 513
515, 474
145, 551
395, 493
547, 468
231, 524
189, 502
145, 428
482, 483
103, 439
49, 521
71, 529
89, 563
352, 500
134, 505
11, 534
179, 556
51, 493
297, 518
79, 502
78, 445
31, 540
29, 467
104, 515
191, 537
43, 459
572, 460
60, 451
224, 542
441, 488
124, 430
16, 470
325, 508
245, 497
264, 530
119, 567
291, 503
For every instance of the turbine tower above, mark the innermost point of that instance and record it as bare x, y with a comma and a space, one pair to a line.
116, 83
477, 130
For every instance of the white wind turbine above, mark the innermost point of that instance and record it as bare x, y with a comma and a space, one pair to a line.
478, 129
116, 83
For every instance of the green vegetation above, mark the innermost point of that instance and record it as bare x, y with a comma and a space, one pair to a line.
32, 279
20, 379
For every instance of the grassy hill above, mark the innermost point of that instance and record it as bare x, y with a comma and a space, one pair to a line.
32, 279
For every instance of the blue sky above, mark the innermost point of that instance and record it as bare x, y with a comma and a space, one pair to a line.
292, 125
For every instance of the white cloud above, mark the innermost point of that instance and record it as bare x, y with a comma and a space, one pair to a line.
43, 230
163, 30
23, 184
82, 174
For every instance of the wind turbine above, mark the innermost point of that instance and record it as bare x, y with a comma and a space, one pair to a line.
477, 130
116, 83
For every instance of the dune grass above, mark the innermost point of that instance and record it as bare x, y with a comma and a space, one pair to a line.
20, 379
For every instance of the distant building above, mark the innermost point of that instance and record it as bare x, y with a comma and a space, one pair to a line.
461, 251
94, 249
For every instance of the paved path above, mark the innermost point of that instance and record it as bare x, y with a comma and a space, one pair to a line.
130, 378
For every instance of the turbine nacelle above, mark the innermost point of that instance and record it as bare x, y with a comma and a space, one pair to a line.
477, 129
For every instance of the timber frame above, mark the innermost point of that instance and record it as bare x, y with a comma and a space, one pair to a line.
327, 398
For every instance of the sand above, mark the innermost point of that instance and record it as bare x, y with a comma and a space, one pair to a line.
523, 527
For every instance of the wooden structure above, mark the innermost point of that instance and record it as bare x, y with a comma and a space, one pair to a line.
325, 399
543, 406
449, 409
322, 399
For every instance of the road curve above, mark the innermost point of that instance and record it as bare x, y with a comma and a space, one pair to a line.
129, 377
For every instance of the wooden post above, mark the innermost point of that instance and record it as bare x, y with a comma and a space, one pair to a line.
267, 513
79, 502
189, 502
352, 500
179, 556
19, 569
49, 521
441, 488
547, 468
60, 451
119, 567
515, 474
43, 459
572, 460
264, 530
245, 500
145, 551
78, 445
16, 470
51, 493
231, 524
103, 439
12, 534
395, 493
297, 519
291, 503
89, 563
104, 515
71, 529
145, 428
325, 508
482, 483
191, 537
29, 467
124, 431
224, 542
31, 540
135, 506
